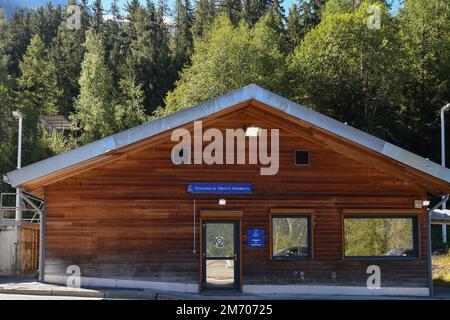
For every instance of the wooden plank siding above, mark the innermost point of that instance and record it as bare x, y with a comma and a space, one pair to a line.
29, 248
131, 218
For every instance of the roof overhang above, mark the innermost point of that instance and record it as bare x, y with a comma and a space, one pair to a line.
106, 146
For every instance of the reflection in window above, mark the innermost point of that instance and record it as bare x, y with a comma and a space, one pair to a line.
380, 236
220, 240
290, 237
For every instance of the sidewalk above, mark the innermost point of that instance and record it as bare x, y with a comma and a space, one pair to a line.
29, 286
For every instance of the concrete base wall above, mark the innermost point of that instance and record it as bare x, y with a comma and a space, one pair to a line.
253, 289
7, 251
125, 283
335, 290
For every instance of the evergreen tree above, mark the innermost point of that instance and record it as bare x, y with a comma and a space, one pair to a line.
129, 107
38, 95
204, 16
148, 58
97, 17
232, 9
94, 111
38, 81
17, 38
66, 53
294, 30
253, 10
182, 35
45, 20
227, 58
277, 15
305, 16
8, 126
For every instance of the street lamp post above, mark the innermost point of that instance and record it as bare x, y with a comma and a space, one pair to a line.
18, 116
443, 109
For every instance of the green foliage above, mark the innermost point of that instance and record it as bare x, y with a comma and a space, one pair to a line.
56, 142
148, 57
376, 237
129, 109
38, 81
44, 22
388, 81
204, 17
253, 10
425, 39
344, 69
288, 232
94, 116
66, 52
232, 9
227, 58
302, 18
182, 42
8, 130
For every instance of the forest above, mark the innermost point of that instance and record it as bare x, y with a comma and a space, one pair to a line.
381, 69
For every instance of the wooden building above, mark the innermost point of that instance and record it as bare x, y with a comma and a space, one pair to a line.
343, 207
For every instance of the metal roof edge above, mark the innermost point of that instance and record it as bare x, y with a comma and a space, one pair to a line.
100, 147
251, 91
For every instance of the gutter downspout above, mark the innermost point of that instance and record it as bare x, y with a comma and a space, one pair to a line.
430, 262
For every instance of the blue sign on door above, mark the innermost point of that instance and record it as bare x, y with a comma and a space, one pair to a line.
220, 188
255, 238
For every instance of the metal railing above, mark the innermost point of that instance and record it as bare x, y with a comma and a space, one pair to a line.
8, 210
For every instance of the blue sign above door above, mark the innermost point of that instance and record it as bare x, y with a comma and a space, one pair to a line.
255, 238
220, 188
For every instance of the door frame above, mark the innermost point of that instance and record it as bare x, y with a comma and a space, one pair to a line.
220, 215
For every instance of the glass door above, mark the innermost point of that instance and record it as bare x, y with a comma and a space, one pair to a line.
220, 255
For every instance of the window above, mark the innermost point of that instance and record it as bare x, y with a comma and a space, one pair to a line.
290, 237
301, 157
381, 236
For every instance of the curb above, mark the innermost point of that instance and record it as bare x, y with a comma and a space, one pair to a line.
114, 294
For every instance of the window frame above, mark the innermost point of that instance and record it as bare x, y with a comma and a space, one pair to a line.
293, 214
415, 229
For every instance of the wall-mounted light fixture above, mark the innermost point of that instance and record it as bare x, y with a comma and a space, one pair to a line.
426, 203
252, 131
222, 202
418, 204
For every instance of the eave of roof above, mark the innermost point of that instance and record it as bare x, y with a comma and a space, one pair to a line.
249, 92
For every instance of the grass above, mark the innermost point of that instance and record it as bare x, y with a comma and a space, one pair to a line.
441, 270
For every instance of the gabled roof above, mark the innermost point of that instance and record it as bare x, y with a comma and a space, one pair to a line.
249, 92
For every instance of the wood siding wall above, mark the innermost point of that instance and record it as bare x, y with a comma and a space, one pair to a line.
132, 218
30, 248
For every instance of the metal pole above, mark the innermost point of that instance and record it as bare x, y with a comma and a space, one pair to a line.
18, 213
443, 109
430, 256
42, 243
19, 165
194, 251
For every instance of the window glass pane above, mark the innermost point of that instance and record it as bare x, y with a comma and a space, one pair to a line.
290, 237
220, 240
379, 237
